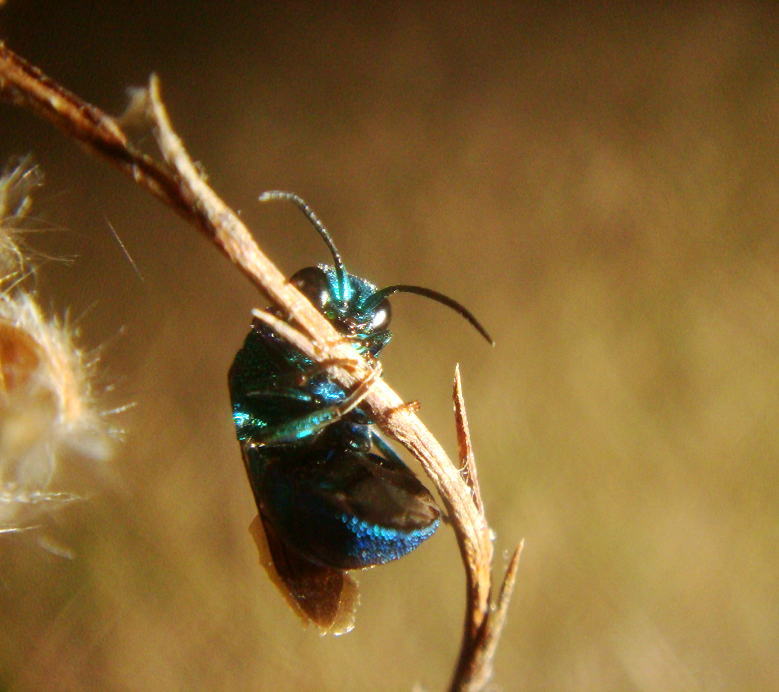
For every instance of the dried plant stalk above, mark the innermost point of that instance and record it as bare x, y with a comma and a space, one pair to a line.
179, 183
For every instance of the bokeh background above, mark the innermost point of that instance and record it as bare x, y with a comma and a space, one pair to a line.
599, 184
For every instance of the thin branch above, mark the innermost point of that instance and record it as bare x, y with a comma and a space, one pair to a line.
483, 622
464, 446
498, 615
23, 84
179, 184
478, 575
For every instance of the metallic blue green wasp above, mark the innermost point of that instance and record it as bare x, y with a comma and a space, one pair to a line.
332, 495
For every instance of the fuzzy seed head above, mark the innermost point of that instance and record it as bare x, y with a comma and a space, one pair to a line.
47, 410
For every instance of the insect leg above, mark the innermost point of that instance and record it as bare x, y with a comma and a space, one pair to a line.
310, 423
384, 447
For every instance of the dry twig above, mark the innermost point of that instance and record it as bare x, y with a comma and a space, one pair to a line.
179, 183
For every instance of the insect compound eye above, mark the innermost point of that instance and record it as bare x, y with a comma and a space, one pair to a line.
312, 282
382, 316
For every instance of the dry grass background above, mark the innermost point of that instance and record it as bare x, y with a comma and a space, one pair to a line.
600, 186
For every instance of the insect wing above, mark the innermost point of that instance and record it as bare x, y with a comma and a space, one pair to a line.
325, 597
344, 509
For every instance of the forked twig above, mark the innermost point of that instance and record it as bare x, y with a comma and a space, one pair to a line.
483, 622
179, 184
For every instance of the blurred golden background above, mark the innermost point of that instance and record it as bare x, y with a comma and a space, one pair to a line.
599, 185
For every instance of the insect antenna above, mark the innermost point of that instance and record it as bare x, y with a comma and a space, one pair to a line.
461, 310
316, 223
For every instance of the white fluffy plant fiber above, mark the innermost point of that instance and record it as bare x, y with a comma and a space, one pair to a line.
47, 411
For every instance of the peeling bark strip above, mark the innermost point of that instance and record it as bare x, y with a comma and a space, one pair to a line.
179, 184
